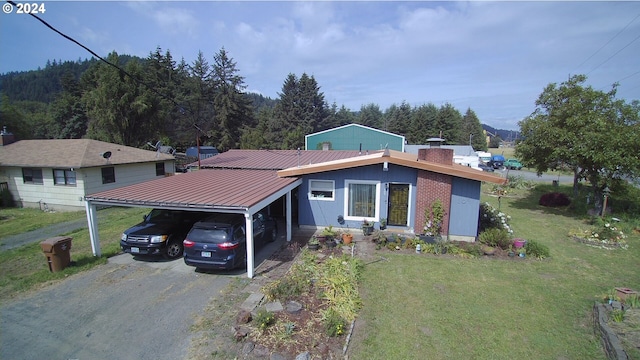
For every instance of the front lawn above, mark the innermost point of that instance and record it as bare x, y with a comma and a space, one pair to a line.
26, 268
419, 306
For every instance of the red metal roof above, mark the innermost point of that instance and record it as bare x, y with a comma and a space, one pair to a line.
203, 189
272, 159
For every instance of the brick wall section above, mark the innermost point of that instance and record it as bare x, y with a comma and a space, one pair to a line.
432, 186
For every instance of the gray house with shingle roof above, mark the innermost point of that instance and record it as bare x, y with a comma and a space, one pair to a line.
57, 174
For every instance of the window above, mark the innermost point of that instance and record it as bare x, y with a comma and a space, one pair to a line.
32, 175
108, 175
362, 200
159, 169
64, 177
321, 189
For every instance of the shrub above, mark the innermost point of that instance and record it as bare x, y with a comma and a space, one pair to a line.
264, 319
491, 218
537, 250
554, 199
495, 237
334, 324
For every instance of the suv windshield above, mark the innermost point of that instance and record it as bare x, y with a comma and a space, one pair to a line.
160, 216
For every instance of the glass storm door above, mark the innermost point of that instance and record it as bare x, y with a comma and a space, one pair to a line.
398, 204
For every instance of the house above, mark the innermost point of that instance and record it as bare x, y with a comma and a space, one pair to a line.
354, 137
57, 174
391, 185
316, 188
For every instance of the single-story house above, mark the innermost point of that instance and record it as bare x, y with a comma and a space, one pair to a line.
57, 174
316, 188
354, 137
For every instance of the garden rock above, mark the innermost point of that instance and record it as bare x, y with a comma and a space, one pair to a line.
260, 351
240, 333
303, 356
293, 307
243, 317
247, 348
276, 356
275, 306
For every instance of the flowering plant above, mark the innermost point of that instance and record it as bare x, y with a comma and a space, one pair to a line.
603, 233
433, 217
492, 218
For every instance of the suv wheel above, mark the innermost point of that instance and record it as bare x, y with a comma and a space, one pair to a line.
174, 250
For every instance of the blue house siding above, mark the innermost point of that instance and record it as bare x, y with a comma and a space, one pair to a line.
319, 213
465, 202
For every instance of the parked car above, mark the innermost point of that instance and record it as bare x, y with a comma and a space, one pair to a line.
513, 164
219, 242
485, 167
497, 162
160, 233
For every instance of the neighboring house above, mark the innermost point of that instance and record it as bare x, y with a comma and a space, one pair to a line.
57, 174
354, 137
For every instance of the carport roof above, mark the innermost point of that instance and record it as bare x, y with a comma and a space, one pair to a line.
221, 189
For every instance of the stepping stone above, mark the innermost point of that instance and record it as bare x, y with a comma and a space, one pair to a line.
293, 307
275, 306
251, 302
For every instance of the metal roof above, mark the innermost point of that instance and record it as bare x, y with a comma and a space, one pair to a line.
220, 190
73, 153
272, 159
397, 158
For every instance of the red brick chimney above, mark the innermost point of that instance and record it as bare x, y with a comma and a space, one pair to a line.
436, 155
6, 137
433, 186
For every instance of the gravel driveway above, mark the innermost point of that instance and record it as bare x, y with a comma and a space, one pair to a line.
126, 309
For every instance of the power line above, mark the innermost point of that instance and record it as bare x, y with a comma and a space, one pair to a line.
607, 43
180, 107
616, 53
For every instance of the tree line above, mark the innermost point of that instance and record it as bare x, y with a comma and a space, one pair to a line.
140, 101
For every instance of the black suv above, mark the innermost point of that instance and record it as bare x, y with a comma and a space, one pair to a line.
219, 242
160, 233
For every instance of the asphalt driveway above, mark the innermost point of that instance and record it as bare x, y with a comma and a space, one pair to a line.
126, 309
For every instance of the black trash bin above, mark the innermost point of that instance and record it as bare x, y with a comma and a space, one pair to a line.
56, 250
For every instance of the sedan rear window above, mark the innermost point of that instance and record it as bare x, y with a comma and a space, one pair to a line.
212, 236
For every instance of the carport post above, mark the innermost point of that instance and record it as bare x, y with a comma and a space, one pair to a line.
288, 222
248, 221
92, 222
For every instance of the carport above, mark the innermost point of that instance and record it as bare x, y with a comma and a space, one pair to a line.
222, 191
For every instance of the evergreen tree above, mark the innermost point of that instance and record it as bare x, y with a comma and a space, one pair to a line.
423, 124
198, 100
472, 128
397, 119
371, 116
232, 109
120, 107
448, 125
67, 111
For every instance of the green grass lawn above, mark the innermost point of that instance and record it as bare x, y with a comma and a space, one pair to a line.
425, 306
25, 268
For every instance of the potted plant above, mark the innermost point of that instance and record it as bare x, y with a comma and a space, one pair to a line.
347, 237
328, 233
367, 227
383, 223
313, 244
433, 218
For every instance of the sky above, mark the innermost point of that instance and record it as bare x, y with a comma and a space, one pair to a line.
492, 57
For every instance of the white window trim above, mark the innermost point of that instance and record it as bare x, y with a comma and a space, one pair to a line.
333, 186
376, 216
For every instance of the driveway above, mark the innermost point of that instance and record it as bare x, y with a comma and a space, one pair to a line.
129, 308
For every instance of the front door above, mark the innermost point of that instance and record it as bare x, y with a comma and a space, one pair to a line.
398, 204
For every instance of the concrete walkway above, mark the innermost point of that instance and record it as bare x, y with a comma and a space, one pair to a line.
41, 234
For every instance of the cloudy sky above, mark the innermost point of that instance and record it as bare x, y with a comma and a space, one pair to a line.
493, 57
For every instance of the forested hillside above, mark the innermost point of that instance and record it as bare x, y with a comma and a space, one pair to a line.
134, 101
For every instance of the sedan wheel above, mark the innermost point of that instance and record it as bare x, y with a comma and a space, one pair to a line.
174, 250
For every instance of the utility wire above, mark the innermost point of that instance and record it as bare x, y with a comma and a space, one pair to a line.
607, 43
616, 53
180, 107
